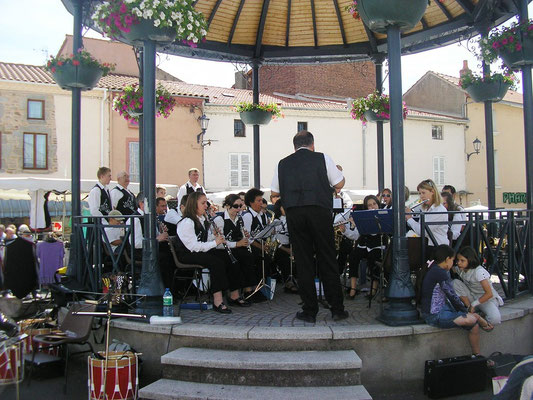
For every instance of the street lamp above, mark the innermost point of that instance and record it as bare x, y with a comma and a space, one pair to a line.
477, 147
204, 123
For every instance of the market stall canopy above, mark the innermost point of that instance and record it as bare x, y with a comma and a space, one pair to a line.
61, 185
308, 31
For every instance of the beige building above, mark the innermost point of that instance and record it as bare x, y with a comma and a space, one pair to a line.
509, 149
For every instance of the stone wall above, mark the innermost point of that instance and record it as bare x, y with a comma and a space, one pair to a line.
14, 123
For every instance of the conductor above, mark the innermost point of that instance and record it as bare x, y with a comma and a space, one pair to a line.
305, 180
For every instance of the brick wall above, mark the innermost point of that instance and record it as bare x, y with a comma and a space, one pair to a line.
13, 125
342, 80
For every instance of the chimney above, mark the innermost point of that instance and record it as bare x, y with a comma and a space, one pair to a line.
465, 69
240, 80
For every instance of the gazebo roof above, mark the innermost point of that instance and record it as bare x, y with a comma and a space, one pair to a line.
308, 31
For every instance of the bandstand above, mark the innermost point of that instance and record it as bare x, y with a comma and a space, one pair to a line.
308, 32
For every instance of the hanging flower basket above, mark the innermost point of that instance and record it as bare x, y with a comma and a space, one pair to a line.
258, 114
513, 44
129, 103
379, 14
145, 29
374, 107
371, 116
78, 70
488, 91
156, 20
488, 87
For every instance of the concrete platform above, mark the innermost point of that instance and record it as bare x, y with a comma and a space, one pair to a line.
186, 390
272, 327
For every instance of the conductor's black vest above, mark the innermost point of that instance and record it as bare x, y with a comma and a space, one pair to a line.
303, 180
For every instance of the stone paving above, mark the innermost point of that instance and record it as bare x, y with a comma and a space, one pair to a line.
281, 311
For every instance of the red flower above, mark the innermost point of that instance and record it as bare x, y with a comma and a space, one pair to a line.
75, 62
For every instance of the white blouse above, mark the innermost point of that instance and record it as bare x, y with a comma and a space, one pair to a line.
187, 235
440, 232
219, 221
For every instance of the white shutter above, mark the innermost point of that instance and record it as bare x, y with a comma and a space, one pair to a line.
134, 162
234, 170
245, 170
441, 171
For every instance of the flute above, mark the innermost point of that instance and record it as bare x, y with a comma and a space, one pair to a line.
216, 232
418, 204
243, 231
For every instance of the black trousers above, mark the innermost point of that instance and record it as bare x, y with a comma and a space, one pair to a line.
372, 256
310, 228
345, 248
223, 274
243, 272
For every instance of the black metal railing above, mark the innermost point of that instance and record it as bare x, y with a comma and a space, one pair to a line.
95, 253
501, 240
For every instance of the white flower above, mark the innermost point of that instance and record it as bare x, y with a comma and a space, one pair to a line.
142, 5
148, 14
181, 30
203, 32
156, 3
162, 15
195, 39
169, 22
189, 27
197, 23
129, 1
157, 22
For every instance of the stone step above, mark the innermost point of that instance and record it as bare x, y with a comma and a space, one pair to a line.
257, 368
165, 389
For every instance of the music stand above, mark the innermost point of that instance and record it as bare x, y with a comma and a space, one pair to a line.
267, 232
374, 222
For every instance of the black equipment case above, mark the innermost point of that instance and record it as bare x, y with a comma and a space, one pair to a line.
454, 376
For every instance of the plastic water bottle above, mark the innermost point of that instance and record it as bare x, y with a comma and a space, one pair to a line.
168, 308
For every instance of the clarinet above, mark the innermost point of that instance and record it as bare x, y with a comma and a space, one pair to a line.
226, 247
241, 223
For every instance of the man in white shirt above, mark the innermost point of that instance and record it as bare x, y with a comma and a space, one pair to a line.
99, 197
192, 185
122, 199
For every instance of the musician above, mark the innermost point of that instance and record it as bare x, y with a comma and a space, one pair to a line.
254, 222
197, 245
122, 199
164, 256
304, 180
432, 203
192, 185
282, 256
174, 216
454, 230
160, 191
160, 208
232, 226
386, 198
370, 247
99, 197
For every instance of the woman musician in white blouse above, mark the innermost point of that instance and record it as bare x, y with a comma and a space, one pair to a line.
231, 225
197, 245
433, 211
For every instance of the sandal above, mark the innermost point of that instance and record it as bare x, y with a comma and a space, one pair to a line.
353, 292
222, 308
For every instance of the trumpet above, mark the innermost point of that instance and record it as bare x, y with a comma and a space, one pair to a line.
243, 231
216, 232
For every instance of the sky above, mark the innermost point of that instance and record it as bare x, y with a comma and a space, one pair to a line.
30, 40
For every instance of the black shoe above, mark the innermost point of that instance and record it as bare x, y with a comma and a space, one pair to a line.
302, 315
221, 308
239, 302
339, 316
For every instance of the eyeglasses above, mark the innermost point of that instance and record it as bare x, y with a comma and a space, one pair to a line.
236, 205
385, 195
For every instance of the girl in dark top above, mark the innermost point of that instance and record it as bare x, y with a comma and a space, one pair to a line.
441, 306
369, 247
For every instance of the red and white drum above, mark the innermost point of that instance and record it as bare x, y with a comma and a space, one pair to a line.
30, 344
11, 364
121, 381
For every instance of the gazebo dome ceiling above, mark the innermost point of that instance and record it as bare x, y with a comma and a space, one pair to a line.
307, 31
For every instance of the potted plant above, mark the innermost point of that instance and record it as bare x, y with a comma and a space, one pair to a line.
258, 114
379, 14
514, 44
129, 103
80, 70
374, 107
488, 87
157, 20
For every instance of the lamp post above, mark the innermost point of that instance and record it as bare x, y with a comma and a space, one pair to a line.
477, 147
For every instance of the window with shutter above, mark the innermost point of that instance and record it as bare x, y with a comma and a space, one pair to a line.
239, 169
133, 150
